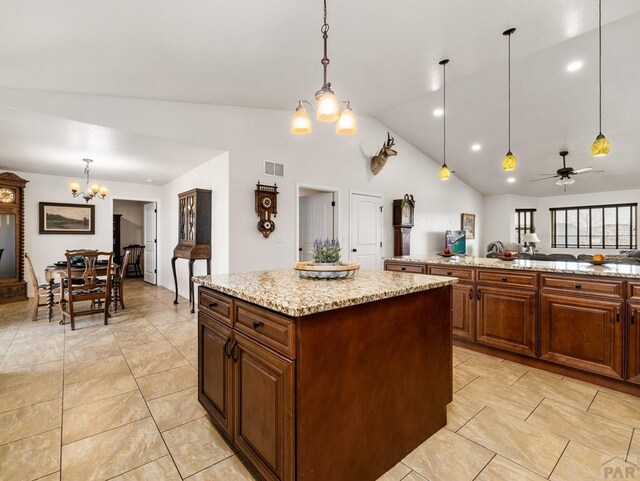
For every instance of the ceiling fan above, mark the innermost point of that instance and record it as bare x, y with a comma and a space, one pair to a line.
564, 175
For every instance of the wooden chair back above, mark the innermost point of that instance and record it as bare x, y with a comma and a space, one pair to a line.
88, 280
124, 267
136, 251
32, 273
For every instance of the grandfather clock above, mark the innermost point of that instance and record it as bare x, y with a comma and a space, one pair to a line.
402, 224
194, 234
12, 284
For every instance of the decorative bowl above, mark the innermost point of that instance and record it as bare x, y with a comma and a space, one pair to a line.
596, 263
442, 254
309, 270
508, 259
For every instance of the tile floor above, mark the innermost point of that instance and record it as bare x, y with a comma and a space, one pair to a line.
119, 402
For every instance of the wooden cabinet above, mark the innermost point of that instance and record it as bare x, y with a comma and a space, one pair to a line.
264, 408
405, 267
463, 307
214, 375
506, 318
633, 342
585, 333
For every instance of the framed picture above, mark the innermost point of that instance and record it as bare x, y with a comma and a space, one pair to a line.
468, 224
455, 241
58, 218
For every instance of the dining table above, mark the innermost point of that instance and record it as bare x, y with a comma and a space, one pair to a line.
60, 271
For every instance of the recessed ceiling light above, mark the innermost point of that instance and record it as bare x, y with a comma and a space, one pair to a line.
151, 181
574, 66
511, 180
438, 112
476, 147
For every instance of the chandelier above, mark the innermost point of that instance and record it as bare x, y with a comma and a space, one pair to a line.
327, 105
93, 188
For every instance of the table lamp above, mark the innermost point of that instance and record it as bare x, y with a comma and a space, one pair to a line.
530, 241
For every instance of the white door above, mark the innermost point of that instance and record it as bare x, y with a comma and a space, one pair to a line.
366, 231
150, 243
317, 221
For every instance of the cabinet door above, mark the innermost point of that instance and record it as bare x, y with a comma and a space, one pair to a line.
633, 343
506, 318
264, 408
463, 303
214, 375
582, 332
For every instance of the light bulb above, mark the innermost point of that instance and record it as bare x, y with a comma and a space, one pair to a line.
104, 190
444, 173
74, 186
327, 109
300, 122
601, 146
509, 162
94, 187
565, 181
346, 122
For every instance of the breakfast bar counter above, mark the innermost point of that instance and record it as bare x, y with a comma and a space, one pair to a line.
320, 380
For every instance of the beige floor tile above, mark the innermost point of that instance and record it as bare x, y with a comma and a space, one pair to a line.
618, 407
462, 378
85, 392
168, 325
112, 452
84, 371
175, 409
601, 434
413, 476
94, 418
460, 355
137, 335
167, 382
634, 448
398, 472
34, 374
460, 411
447, 456
29, 420
565, 391
528, 445
501, 469
503, 372
27, 394
189, 349
196, 446
97, 337
36, 343
186, 333
30, 458
581, 463
144, 363
514, 400
161, 469
230, 469
51, 477
92, 353
32, 358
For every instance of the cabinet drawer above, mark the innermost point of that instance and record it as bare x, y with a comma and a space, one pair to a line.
215, 305
411, 268
581, 284
633, 291
463, 274
510, 278
275, 331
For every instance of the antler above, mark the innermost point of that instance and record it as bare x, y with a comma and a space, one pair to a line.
390, 140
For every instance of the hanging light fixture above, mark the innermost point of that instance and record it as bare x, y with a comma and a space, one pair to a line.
444, 173
93, 188
601, 145
509, 162
327, 105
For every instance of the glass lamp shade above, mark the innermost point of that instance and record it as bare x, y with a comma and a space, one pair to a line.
565, 181
300, 122
601, 146
327, 109
531, 237
104, 190
509, 162
346, 123
74, 187
444, 173
94, 187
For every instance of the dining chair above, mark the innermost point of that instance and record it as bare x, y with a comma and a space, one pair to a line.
136, 251
40, 291
122, 275
92, 289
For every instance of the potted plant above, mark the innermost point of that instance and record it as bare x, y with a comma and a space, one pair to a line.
326, 252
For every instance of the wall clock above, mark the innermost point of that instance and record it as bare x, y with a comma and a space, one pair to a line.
7, 196
403, 212
266, 207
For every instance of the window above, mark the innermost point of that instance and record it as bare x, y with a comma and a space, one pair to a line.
524, 223
595, 226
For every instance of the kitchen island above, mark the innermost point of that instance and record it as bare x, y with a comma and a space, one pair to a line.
571, 318
321, 380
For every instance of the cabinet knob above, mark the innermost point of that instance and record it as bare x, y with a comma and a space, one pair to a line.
504, 279
617, 314
478, 294
470, 293
258, 325
633, 316
212, 305
449, 273
234, 355
226, 348
403, 268
354, 250
578, 286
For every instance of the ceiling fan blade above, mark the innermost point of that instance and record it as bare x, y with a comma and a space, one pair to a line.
589, 172
546, 178
581, 171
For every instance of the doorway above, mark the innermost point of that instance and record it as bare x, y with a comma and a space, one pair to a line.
366, 230
135, 227
317, 218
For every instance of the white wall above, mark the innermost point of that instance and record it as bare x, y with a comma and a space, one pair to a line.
499, 211
323, 158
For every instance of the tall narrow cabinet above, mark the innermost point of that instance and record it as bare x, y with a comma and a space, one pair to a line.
12, 284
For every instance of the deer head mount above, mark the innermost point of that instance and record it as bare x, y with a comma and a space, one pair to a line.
378, 161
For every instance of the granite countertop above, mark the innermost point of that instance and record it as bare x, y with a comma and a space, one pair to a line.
284, 291
560, 267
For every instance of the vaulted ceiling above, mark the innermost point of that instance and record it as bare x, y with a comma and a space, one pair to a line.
384, 58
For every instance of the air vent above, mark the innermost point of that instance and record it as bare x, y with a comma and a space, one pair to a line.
273, 169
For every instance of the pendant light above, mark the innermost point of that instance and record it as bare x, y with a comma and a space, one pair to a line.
444, 173
601, 145
509, 162
327, 105
93, 189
